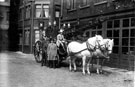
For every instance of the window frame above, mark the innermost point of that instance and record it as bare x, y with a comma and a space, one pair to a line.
36, 8
43, 10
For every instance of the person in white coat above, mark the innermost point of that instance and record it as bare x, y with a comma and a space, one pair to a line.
60, 38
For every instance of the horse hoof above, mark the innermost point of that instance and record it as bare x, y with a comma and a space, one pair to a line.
70, 70
83, 73
98, 73
89, 74
74, 70
101, 72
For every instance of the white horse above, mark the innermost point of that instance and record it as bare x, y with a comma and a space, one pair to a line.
104, 52
83, 50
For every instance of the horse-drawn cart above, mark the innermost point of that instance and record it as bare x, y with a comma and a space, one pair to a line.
40, 52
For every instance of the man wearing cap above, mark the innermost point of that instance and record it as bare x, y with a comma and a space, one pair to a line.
60, 38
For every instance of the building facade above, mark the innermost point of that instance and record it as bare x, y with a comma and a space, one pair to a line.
110, 18
31, 14
4, 24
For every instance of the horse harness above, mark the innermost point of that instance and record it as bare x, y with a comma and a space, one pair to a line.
98, 47
94, 47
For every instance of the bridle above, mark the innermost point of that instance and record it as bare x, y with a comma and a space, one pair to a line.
105, 50
106, 46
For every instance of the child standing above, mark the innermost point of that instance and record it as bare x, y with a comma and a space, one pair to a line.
52, 53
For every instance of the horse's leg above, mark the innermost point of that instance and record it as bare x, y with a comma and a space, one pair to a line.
88, 65
97, 65
102, 65
84, 61
70, 63
74, 64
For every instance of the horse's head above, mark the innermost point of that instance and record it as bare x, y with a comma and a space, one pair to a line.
109, 45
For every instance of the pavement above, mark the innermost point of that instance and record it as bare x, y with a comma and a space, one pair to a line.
124, 72
105, 68
24, 64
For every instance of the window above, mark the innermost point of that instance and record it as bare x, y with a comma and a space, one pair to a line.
132, 41
85, 2
57, 14
27, 37
125, 33
116, 41
132, 33
27, 12
125, 22
124, 36
45, 11
124, 50
99, 26
115, 33
116, 23
115, 49
38, 11
20, 38
73, 4
132, 37
109, 24
132, 21
125, 41
99, 32
132, 49
109, 33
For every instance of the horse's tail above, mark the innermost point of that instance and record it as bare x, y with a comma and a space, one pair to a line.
68, 54
68, 51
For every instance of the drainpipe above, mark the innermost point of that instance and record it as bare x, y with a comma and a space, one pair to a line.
23, 29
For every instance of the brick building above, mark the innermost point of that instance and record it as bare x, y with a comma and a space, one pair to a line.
109, 18
31, 14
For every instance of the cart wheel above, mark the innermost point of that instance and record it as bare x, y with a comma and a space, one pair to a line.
38, 51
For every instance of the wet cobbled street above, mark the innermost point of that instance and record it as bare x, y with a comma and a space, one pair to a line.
21, 70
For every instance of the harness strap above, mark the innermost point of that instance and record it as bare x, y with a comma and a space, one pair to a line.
89, 48
72, 53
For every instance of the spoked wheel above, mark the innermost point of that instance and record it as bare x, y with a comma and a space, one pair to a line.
38, 51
